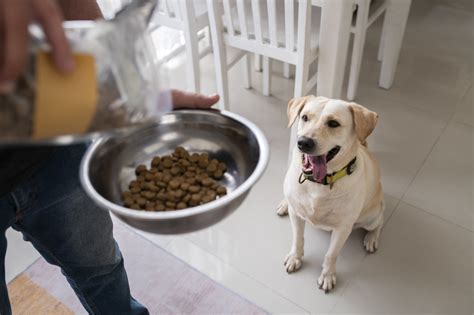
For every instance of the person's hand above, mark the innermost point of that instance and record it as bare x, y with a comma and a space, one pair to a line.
15, 15
182, 99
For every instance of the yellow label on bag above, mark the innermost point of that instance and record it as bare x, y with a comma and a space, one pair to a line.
64, 103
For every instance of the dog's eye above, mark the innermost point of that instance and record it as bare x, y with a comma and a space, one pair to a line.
333, 124
304, 117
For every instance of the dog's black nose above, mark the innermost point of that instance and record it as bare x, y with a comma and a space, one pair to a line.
306, 145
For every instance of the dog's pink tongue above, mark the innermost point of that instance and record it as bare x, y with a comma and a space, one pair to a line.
319, 167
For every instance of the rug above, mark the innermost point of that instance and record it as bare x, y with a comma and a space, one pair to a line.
162, 282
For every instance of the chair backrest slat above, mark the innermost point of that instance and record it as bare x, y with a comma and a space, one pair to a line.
289, 25
241, 11
257, 20
272, 22
228, 18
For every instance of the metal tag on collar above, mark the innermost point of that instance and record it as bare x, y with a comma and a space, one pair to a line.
302, 175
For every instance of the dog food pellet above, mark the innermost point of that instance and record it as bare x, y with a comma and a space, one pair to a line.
221, 190
174, 182
140, 169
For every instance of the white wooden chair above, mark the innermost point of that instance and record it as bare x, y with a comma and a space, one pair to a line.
365, 16
261, 37
191, 18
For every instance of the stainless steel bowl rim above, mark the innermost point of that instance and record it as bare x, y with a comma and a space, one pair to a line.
214, 205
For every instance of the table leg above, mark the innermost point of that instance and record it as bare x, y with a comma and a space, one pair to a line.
395, 22
336, 20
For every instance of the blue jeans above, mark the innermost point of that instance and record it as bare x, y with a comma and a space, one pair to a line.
54, 214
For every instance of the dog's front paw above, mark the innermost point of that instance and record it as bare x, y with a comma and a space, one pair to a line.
327, 281
292, 262
282, 208
371, 242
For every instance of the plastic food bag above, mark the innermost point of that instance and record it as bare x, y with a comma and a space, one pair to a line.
127, 77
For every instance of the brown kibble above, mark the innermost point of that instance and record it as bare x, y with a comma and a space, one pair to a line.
140, 169
212, 194
126, 194
196, 198
170, 204
211, 168
221, 190
191, 180
161, 184
194, 188
175, 170
167, 163
156, 161
194, 158
181, 205
184, 186
187, 197
166, 178
203, 162
128, 201
184, 163
160, 207
207, 182
161, 196
135, 189
218, 174
134, 183
201, 177
207, 199
150, 195
178, 150
141, 201
174, 184
175, 181
158, 176
179, 194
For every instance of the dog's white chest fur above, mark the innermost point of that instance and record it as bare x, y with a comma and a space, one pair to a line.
318, 204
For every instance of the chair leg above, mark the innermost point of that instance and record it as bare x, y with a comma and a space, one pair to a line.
192, 50
380, 51
258, 62
286, 70
220, 58
267, 75
246, 70
358, 48
395, 21
192, 61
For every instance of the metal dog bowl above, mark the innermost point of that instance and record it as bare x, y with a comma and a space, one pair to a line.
109, 165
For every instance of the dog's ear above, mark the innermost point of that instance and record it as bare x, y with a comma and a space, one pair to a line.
295, 105
364, 121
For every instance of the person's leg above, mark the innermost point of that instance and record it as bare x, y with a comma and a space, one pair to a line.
7, 215
71, 232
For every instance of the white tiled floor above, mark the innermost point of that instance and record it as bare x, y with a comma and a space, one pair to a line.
424, 141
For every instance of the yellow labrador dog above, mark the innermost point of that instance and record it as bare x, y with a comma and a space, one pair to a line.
333, 181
